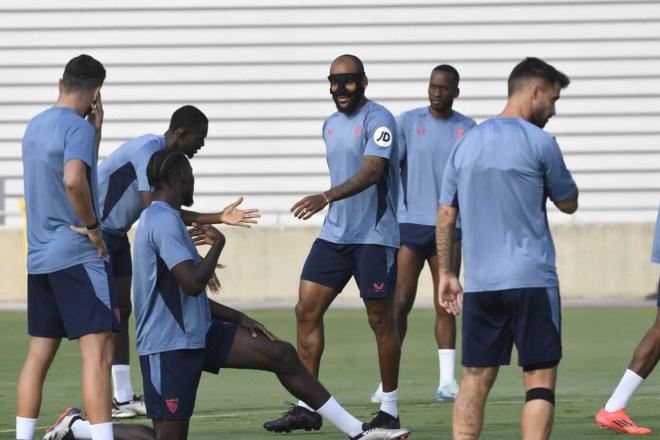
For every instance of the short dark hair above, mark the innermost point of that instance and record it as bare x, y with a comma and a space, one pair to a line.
83, 73
187, 117
355, 60
449, 69
163, 166
535, 68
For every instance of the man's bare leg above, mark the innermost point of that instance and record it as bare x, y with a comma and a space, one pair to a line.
468, 415
96, 353
538, 414
408, 269
313, 301
41, 352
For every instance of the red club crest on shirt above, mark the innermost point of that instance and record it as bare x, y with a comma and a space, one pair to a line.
172, 405
421, 131
459, 132
330, 131
358, 130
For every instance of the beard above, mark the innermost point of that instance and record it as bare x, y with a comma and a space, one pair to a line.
354, 100
187, 200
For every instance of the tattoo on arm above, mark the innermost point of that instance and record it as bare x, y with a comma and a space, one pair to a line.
371, 171
444, 235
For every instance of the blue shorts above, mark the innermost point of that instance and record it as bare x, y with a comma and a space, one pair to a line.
170, 379
494, 321
73, 302
421, 239
372, 265
119, 250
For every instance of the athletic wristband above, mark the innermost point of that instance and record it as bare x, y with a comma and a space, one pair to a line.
93, 226
325, 196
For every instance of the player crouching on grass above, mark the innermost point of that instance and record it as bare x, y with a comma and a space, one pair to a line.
180, 333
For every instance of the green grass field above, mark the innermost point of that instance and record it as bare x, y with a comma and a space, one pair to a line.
598, 344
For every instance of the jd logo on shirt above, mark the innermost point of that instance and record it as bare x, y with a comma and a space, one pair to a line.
383, 137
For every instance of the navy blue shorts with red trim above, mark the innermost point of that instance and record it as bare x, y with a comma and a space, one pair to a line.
73, 302
372, 265
171, 378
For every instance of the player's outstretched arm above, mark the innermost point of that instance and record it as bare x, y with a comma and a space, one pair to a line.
193, 279
230, 215
370, 173
450, 292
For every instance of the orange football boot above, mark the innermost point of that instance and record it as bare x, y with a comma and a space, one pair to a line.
618, 421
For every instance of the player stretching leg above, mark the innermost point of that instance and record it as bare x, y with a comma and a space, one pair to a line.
69, 293
181, 333
123, 193
359, 237
426, 136
613, 415
500, 175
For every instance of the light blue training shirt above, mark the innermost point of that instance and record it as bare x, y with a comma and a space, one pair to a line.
370, 216
53, 138
122, 176
424, 146
166, 318
499, 176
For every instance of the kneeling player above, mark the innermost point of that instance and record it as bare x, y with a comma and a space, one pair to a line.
180, 333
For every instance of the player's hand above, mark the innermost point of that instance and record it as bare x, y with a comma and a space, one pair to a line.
95, 117
214, 285
95, 237
231, 215
309, 206
205, 234
450, 293
255, 327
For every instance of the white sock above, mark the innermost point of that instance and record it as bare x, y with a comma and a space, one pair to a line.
121, 383
624, 391
102, 431
447, 360
388, 404
25, 428
341, 418
82, 430
304, 405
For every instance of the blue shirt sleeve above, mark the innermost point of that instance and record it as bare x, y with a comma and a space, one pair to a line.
449, 193
170, 240
380, 130
402, 145
559, 184
140, 164
80, 144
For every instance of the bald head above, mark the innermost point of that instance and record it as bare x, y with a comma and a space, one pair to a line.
346, 64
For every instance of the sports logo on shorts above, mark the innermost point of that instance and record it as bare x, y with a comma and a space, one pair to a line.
172, 405
383, 137
379, 287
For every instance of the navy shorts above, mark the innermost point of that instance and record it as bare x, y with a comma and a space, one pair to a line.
73, 302
372, 265
493, 321
421, 239
170, 379
119, 250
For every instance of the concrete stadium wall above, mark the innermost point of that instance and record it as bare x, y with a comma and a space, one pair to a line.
595, 261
